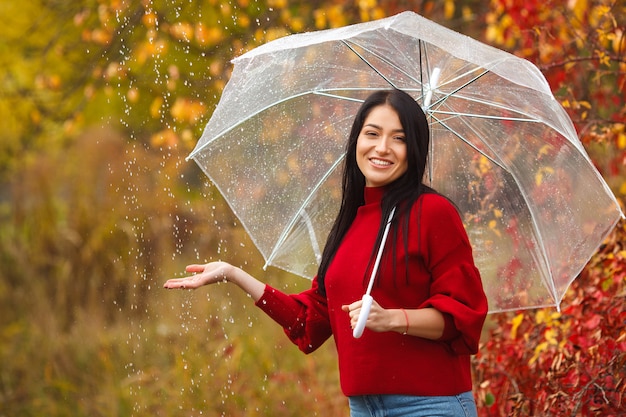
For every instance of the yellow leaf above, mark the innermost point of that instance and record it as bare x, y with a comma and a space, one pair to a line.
320, 19
541, 174
491, 34
484, 165
336, 16
540, 316
515, 323
618, 43
182, 31
186, 110
550, 336
132, 94
579, 7
155, 107
149, 19
278, 4
448, 9
597, 14
208, 35
243, 20
187, 136
544, 149
167, 138
297, 24
538, 349
378, 13
493, 225
468, 14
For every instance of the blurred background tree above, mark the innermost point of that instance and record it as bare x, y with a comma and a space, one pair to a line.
101, 100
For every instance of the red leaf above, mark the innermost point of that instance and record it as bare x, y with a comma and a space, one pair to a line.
592, 322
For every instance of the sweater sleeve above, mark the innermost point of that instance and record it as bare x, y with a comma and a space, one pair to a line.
456, 287
304, 316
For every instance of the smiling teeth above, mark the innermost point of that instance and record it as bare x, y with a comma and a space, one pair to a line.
379, 162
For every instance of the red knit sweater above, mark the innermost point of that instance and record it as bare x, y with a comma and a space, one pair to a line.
441, 275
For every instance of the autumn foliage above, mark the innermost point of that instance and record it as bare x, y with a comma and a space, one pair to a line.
568, 363
580, 47
572, 362
100, 103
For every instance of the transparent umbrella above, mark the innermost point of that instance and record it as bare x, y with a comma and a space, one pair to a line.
503, 150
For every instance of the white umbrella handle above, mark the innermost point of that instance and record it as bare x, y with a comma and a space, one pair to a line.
367, 298
365, 311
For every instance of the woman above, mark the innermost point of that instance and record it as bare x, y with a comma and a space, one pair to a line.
429, 308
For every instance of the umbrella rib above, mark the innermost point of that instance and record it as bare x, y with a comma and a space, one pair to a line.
269, 106
422, 45
386, 61
234, 126
442, 123
451, 93
482, 116
312, 237
337, 96
483, 102
301, 209
362, 58
454, 94
549, 283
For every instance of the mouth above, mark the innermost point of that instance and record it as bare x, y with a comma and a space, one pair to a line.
380, 162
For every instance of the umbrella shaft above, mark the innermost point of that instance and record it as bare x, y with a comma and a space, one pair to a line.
380, 252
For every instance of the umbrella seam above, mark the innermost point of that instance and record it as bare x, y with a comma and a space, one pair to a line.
289, 227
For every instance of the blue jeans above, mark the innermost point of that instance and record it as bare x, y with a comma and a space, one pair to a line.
462, 405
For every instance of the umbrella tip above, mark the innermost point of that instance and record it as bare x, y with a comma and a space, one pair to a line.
432, 85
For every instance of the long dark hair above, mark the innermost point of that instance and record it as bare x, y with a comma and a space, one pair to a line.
402, 193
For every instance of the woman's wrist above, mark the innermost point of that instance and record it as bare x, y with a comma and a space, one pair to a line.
401, 321
406, 318
245, 281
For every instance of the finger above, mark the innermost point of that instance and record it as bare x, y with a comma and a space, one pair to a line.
355, 306
170, 283
173, 284
195, 268
179, 282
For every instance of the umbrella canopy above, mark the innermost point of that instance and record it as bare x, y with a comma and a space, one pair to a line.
502, 149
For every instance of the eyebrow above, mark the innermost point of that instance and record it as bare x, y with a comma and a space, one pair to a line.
380, 128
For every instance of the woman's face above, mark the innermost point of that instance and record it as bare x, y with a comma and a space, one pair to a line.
381, 147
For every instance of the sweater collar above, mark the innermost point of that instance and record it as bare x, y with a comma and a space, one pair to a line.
374, 195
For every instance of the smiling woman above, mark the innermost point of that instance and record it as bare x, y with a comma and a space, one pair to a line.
428, 303
381, 147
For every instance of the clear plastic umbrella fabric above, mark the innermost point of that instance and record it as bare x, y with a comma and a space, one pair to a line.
502, 148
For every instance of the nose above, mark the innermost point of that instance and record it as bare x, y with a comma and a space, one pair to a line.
382, 147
